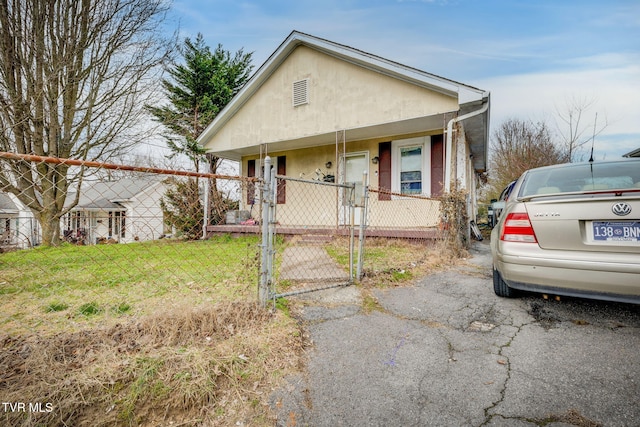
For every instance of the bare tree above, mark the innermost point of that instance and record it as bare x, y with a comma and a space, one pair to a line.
519, 145
74, 78
574, 129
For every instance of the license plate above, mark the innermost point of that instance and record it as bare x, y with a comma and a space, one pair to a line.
609, 231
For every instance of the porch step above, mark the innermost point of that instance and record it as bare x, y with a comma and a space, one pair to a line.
317, 239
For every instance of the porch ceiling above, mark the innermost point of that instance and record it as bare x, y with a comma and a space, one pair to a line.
476, 130
382, 130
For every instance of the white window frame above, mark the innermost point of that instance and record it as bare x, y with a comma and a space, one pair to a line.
425, 143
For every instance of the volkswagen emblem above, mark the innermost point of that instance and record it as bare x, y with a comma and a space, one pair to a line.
621, 209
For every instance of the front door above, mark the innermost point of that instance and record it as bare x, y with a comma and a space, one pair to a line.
355, 165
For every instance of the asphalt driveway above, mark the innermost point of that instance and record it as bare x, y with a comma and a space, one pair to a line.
448, 352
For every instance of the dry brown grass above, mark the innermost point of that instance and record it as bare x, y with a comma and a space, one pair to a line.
211, 365
399, 262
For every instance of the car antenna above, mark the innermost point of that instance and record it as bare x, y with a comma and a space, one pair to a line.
593, 137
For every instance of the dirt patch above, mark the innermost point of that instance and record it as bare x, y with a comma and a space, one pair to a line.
543, 316
214, 365
574, 418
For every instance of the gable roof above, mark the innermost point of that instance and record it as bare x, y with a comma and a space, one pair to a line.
632, 153
108, 195
466, 94
469, 98
7, 206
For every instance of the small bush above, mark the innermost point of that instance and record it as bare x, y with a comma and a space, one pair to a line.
55, 307
455, 221
121, 308
90, 309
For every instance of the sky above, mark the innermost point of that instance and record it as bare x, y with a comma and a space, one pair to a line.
535, 57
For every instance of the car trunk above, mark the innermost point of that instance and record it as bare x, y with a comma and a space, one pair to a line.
586, 223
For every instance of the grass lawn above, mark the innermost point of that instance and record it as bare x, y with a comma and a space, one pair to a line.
158, 333
47, 290
388, 261
153, 333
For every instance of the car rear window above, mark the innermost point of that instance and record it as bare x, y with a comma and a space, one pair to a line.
583, 177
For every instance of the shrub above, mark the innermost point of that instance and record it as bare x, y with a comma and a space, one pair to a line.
455, 221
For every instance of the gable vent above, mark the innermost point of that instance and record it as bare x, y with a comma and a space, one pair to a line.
300, 92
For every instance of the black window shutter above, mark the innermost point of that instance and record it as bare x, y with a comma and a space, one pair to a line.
384, 170
282, 184
251, 172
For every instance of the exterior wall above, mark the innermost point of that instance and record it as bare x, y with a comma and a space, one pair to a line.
322, 206
144, 215
23, 227
24, 230
341, 96
143, 219
305, 204
464, 172
400, 212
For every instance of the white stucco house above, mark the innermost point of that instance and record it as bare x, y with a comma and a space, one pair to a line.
316, 104
123, 210
19, 229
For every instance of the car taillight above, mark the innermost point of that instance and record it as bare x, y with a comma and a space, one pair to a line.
517, 228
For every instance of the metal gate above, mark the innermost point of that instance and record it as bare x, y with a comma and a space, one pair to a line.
310, 240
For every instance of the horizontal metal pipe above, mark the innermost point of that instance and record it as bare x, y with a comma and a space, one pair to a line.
312, 181
88, 163
314, 289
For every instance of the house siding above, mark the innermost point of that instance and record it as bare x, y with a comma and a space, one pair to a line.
341, 96
322, 206
363, 105
144, 215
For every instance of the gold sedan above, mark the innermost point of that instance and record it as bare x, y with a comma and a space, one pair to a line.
571, 229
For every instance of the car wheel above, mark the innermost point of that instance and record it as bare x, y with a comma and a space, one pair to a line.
500, 287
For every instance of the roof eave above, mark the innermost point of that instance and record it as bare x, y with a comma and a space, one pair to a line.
633, 153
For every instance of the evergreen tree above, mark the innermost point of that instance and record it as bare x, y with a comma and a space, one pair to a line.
198, 89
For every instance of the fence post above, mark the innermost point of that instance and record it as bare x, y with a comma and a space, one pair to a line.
272, 231
265, 274
363, 225
352, 226
205, 220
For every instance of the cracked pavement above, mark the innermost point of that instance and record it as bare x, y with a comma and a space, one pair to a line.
448, 352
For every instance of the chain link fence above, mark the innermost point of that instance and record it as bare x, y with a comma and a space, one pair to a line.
313, 243
407, 216
315, 233
123, 239
108, 274
400, 230
111, 241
